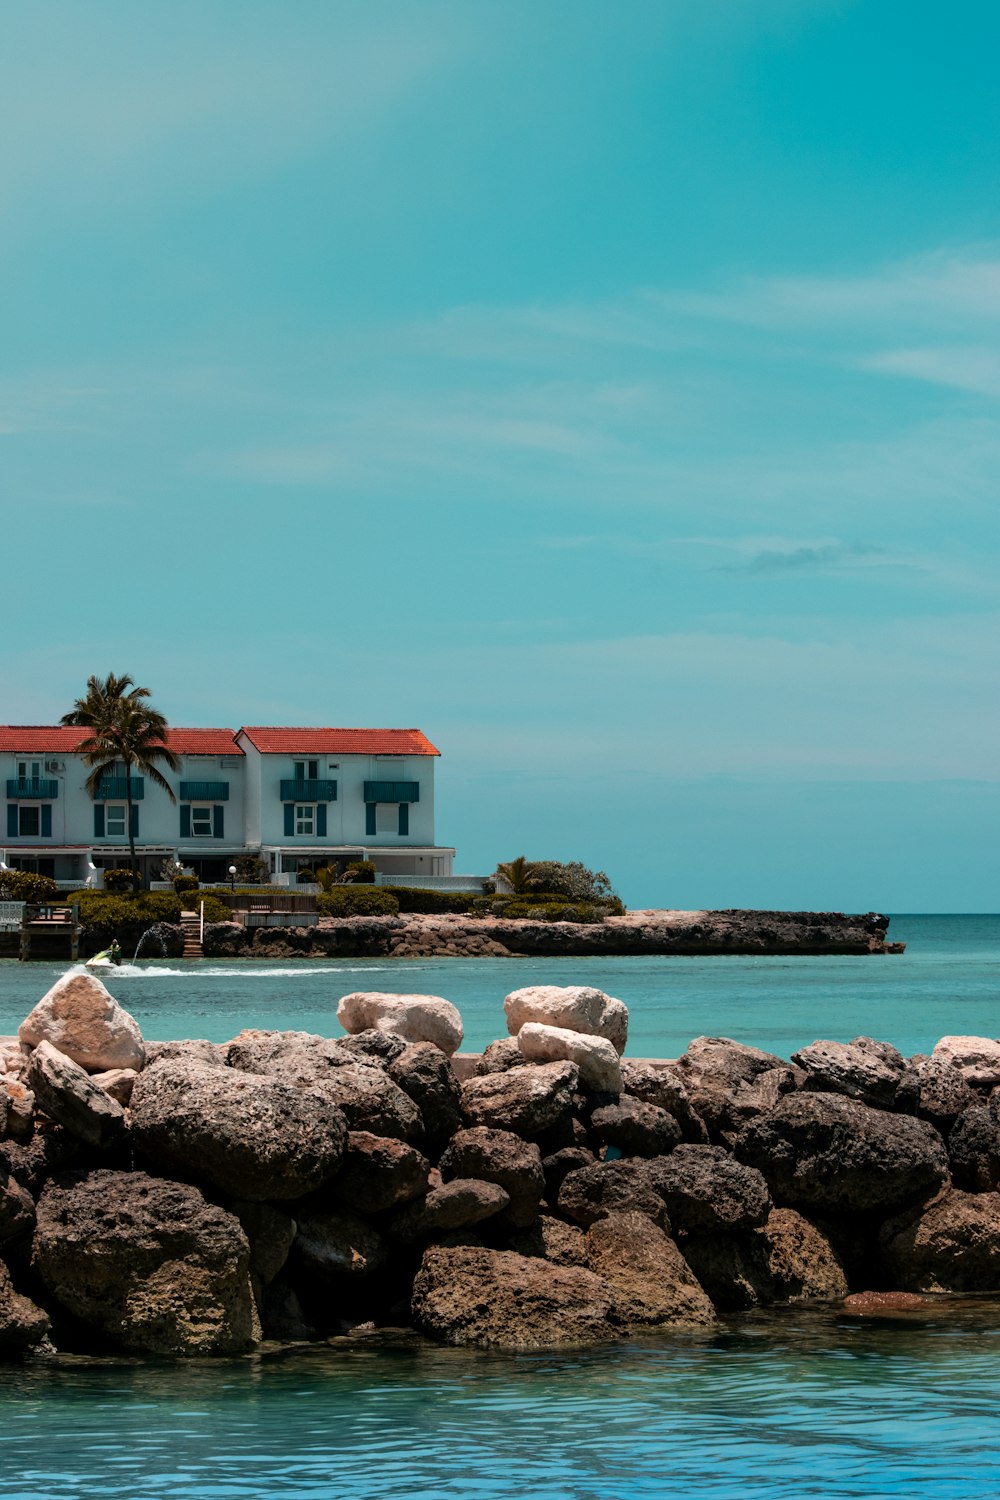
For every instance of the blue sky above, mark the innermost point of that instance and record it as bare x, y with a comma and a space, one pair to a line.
609, 390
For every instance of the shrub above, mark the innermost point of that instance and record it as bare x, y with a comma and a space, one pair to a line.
357, 901
215, 910
252, 870
528, 908
120, 880
105, 911
415, 898
185, 883
24, 885
360, 872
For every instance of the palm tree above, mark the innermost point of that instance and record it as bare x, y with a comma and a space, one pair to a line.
518, 874
124, 730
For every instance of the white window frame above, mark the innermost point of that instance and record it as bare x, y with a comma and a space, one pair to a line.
305, 813
120, 812
204, 808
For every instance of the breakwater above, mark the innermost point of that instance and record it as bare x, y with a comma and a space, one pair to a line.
191, 1197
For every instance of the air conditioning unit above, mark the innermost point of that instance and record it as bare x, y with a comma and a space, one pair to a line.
54, 765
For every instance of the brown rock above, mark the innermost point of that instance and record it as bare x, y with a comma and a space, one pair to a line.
660, 1084
147, 1264
340, 1245
83, 1020
610, 1187
883, 1304
730, 1268
951, 1246
863, 1069
635, 1128
935, 1089
562, 1244
270, 1234
528, 1100
458, 1205
17, 1210
974, 1148
426, 1076
501, 1056
801, 1262
67, 1094
502, 1157
496, 1299
653, 1284
379, 1172
118, 1082
22, 1324
706, 1190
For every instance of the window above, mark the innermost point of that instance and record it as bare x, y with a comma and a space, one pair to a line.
115, 820
305, 817
23, 772
201, 822
306, 770
29, 822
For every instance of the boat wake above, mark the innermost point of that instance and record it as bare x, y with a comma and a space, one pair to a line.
160, 971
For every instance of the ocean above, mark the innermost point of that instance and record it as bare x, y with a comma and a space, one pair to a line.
791, 1402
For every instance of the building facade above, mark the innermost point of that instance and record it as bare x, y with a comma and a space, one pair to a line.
298, 798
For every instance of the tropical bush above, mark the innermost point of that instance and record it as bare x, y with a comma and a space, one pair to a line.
360, 872
252, 870
573, 882
357, 901
183, 884
24, 885
119, 880
103, 911
415, 898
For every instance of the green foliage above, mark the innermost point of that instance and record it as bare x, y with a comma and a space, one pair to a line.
215, 910
518, 874
252, 870
574, 882
357, 901
183, 884
413, 898
24, 885
120, 880
104, 912
360, 872
531, 910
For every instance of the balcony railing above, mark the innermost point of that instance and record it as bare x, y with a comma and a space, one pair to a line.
392, 791
36, 787
308, 790
112, 789
204, 791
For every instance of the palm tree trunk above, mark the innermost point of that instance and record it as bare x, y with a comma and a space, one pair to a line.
131, 835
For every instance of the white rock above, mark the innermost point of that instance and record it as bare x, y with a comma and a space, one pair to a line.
977, 1056
118, 1082
83, 1020
416, 1018
573, 1007
595, 1056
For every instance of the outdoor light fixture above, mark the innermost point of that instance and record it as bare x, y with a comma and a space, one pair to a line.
232, 877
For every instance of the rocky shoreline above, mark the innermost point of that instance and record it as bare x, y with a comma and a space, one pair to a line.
411, 935
188, 1198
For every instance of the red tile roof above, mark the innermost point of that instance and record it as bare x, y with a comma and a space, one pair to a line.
338, 741
59, 739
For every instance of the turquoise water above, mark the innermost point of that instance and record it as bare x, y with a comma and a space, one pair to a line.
781, 1404
948, 981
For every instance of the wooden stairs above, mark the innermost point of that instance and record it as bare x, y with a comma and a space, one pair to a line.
191, 923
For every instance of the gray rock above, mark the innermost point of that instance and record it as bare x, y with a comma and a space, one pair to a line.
83, 1020
253, 1136
502, 1157
637, 1129
610, 1187
706, 1191
379, 1173
595, 1056
653, 1285
729, 1083
193, 1050
67, 1094
415, 1018
501, 1056
974, 1148
146, 1263
378, 1046
952, 1245
824, 1151
935, 1089
496, 1299
862, 1069
527, 1100
660, 1084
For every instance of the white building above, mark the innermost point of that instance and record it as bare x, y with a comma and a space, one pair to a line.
297, 797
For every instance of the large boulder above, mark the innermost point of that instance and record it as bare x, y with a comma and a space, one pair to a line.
977, 1056
974, 1148
501, 1056
147, 1264
22, 1324
499, 1156
497, 1299
415, 1018
608, 1187
66, 1093
459, 1204
596, 1058
573, 1007
340, 1245
253, 1136
802, 1264
17, 1209
706, 1191
426, 1076
379, 1173
729, 1083
83, 1019
653, 1284
863, 1069
951, 1246
824, 1151
935, 1089
660, 1084
528, 1101
635, 1128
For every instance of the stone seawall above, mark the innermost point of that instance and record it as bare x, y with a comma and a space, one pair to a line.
188, 1198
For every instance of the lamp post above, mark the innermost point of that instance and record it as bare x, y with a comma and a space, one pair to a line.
232, 877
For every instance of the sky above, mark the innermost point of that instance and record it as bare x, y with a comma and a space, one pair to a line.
609, 390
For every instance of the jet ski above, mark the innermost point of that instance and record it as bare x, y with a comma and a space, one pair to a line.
108, 958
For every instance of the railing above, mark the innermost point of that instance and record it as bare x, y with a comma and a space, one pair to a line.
266, 901
470, 883
112, 789
32, 786
204, 791
11, 914
308, 790
392, 791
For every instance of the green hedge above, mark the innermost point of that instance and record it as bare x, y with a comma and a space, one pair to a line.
24, 885
357, 901
414, 898
104, 911
183, 884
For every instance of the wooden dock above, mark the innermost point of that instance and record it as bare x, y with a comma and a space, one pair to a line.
50, 931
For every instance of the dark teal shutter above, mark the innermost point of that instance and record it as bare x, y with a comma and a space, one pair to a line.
12, 820
98, 821
218, 814
289, 820
185, 821
321, 821
404, 817
135, 821
46, 821
369, 818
